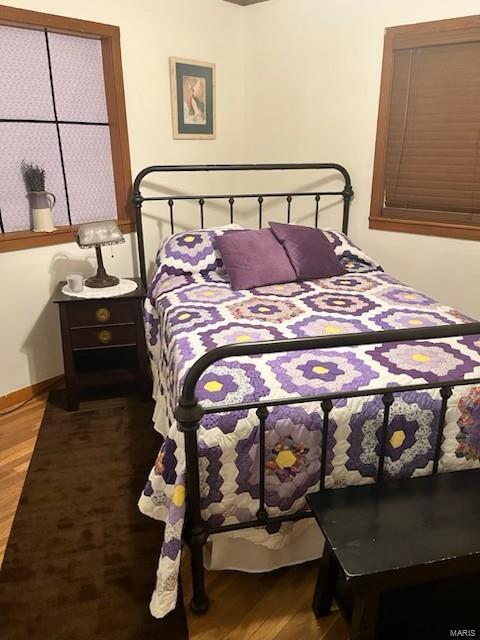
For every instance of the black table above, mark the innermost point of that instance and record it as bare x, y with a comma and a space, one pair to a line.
395, 534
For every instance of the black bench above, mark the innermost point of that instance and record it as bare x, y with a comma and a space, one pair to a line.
395, 534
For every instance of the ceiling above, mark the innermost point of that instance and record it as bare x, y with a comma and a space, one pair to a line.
245, 3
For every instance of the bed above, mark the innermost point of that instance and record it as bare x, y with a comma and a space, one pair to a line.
268, 394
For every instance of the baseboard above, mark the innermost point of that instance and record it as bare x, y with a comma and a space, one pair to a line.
27, 393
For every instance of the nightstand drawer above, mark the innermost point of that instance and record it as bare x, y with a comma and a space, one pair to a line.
88, 314
107, 336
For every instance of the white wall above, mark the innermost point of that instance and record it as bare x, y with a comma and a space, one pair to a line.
151, 31
297, 80
313, 83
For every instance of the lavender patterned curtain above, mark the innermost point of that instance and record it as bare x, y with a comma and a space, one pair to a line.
53, 113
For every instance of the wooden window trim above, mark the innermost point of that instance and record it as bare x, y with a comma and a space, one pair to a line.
449, 31
117, 118
15, 240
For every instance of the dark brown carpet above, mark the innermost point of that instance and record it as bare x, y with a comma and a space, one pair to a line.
81, 559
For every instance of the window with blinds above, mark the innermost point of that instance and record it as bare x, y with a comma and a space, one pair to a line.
427, 164
60, 109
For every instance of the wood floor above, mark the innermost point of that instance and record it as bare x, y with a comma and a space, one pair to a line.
243, 606
18, 434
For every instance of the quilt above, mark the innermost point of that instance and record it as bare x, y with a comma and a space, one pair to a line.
191, 309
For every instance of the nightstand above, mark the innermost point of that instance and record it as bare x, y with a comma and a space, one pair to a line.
103, 342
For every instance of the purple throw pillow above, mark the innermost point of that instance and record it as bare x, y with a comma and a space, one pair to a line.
254, 258
310, 253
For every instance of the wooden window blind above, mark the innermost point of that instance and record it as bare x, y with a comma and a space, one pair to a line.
427, 163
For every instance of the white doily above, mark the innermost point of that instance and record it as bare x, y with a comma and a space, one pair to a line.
120, 289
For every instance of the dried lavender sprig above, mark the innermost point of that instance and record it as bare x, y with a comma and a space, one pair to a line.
33, 176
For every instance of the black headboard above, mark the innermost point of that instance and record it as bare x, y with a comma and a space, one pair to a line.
138, 199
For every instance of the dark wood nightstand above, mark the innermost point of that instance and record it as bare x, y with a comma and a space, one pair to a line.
103, 342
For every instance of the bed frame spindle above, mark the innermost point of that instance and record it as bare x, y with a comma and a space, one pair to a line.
317, 205
289, 208
387, 400
327, 406
445, 393
262, 414
172, 225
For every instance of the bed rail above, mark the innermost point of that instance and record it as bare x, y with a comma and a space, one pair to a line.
346, 193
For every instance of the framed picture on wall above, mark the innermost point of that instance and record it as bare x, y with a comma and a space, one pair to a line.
193, 98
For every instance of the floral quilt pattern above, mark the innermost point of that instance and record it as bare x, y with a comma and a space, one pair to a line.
189, 313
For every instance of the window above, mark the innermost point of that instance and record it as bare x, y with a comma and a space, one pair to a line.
427, 159
61, 107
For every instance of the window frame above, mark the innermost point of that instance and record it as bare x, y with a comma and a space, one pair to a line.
117, 119
438, 32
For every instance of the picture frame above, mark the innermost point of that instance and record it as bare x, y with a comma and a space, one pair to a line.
192, 86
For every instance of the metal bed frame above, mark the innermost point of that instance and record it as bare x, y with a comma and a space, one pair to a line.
189, 411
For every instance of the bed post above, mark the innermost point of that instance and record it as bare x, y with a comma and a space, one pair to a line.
138, 200
347, 195
188, 415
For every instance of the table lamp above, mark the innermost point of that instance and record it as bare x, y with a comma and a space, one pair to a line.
98, 235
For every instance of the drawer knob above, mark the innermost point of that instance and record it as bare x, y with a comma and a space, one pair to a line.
102, 314
104, 336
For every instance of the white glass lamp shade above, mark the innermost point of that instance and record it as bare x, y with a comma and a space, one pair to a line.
95, 234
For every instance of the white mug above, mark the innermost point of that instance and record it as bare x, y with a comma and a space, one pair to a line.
75, 282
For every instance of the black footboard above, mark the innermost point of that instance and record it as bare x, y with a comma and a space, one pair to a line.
189, 414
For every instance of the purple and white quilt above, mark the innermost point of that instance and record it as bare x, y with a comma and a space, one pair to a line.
192, 309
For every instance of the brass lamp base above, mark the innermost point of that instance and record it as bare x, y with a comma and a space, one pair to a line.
100, 281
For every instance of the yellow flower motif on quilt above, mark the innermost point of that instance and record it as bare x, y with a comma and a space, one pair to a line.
397, 439
208, 293
264, 309
285, 459
319, 369
331, 328
184, 316
420, 357
213, 386
178, 495
415, 321
189, 238
244, 338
